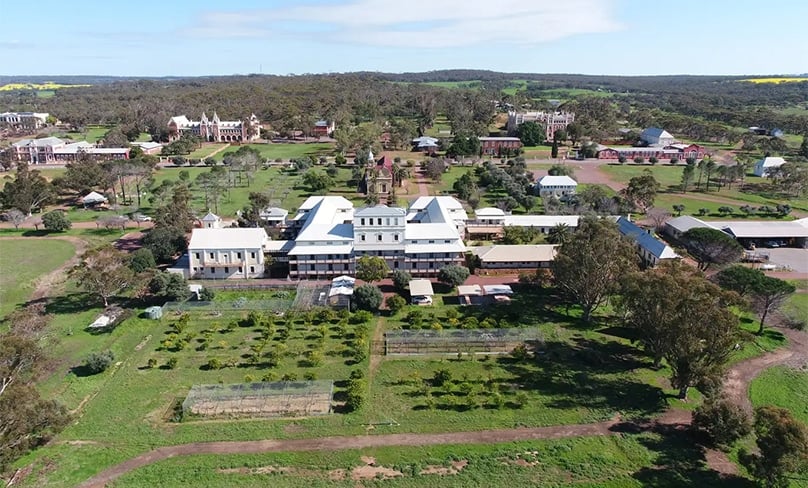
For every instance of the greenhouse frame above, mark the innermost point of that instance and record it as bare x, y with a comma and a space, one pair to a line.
465, 341
264, 399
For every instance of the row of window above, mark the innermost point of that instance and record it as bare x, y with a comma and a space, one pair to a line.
212, 255
369, 220
226, 270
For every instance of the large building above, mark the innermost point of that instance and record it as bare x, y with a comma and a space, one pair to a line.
681, 152
499, 146
215, 130
54, 150
551, 121
331, 236
24, 120
215, 253
556, 186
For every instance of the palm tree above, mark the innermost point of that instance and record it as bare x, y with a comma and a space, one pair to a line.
678, 208
559, 234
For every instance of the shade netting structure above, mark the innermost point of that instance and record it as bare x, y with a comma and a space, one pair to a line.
466, 341
264, 399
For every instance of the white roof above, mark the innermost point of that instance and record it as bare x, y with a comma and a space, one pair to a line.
343, 280
469, 290
686, 222
234, 238
304, 250
557, 181
763, 229
514, 139
489, 212
43, 142
274, 213
147, 145
436, 209
421, 288
542, 220
498, 290
771, 162
341, 290
454, 246
429, 232
94, 197
211, 217
277, 246
516, 253
325, 219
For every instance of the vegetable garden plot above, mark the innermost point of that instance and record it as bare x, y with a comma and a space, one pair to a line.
467, 341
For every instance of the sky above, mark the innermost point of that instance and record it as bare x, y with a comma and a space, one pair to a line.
197, 38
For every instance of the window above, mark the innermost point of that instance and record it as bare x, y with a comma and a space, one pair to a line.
379, 221
197, 255
238, 255
201, 270
388, 221
240, 270
395, 237
379, 237
311, 267
432, 242
395, 264
252, 269
252, 255
211, 255
194, 268
362, 221
362, 237
226, 270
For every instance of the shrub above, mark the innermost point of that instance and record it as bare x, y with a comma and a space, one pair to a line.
214, 363
453, 275
395, 303
722, 421
314, 358
356, 393
171, 363
361, 317
98, 362
56, 221
151, 363
289, 377
401, 279
340, 159
367, 297
639, 160
207, 294
441, 377
520, 352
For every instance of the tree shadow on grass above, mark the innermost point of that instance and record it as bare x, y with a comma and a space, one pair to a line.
592, 375
680, 461
71, 303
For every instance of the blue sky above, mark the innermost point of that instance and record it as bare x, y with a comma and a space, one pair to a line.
629, 37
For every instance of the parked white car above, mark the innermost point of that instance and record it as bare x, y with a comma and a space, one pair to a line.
422, 300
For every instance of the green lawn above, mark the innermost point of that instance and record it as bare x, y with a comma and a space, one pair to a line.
22, 262
284, 187
783, 387
205, 151
286, 151
605, 462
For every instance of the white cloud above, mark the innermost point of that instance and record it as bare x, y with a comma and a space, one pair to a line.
418, 23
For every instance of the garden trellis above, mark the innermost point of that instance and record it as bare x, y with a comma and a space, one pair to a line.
465, 341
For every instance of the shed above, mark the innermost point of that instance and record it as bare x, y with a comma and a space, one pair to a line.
469, 290
498, 290
154, 313
93, 198
421, 288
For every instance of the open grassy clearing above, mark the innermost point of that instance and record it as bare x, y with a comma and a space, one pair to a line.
284, 186
286, 151
755, 191
205, 151
783, 387
22, 262
631, 461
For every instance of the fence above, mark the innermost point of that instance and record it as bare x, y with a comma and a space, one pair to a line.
276, 305
467, 341
279, 399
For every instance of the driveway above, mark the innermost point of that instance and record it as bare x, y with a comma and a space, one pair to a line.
794, 259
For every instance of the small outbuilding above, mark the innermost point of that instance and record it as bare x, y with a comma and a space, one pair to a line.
765, 165
421, 292
153, 313
93, 199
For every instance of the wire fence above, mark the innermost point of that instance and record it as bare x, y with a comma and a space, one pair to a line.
466, 341
276, 399
275, 305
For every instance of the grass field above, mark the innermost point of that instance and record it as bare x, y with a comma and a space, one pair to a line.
205, 151
755, 191
22, 262
609, 462
286, 151
284, 187
783, 387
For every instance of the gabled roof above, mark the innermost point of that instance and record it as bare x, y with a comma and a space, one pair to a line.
326, 219
516, 253
94, 197
43, 142
273, 212
771, 162
656, 133
557, 181
489, 212
763, 229
646, 241
686, 222
211, 217
243, 238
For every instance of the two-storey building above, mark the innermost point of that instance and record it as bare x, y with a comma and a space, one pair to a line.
216, 253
